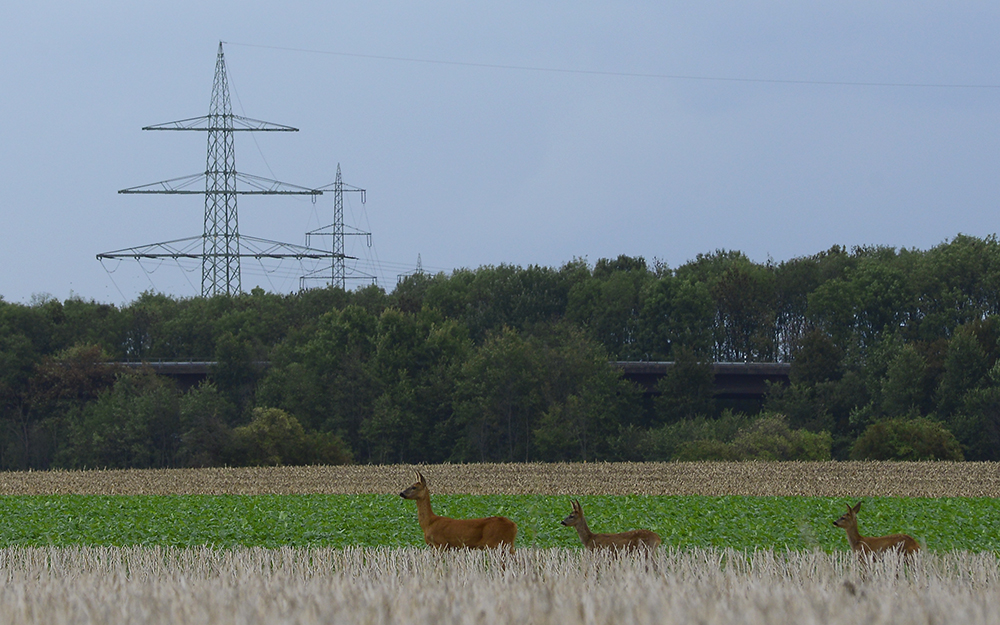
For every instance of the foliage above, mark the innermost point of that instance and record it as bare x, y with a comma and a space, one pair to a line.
685, 392
510, 363
133, 424
906, 439
766, 438
274, 437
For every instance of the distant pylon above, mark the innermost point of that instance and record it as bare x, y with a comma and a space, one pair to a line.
337, 231
221, 243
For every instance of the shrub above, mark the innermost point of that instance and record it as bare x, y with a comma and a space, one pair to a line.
707, 449
272, 437
770, 438
907, 439
767, 438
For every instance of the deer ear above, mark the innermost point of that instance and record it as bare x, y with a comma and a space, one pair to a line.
420, 478
856, 508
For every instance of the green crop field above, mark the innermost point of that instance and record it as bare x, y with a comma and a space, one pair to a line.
738, 522
742, 542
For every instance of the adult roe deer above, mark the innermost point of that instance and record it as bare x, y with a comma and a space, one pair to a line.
625, 541
873, 545
444, 533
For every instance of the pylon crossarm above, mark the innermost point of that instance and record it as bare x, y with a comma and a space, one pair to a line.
250, 247
328, 230
254, 247
173, 185
191, 248
253, 185
209, 123
343, 187
266, 186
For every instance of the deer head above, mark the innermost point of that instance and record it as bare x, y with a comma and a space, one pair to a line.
418, 490
849, 518
575, 517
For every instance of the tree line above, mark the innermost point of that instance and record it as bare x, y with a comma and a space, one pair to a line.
893, 354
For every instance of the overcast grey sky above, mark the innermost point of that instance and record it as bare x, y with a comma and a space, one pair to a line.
468, 165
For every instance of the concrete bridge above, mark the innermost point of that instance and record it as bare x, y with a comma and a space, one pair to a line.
733, 380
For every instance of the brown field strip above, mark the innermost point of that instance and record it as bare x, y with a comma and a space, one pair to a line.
825, 479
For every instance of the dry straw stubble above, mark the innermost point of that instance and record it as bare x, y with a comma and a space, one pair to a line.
817, 479
421, 586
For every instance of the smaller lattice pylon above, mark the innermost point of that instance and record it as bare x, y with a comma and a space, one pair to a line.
338, 231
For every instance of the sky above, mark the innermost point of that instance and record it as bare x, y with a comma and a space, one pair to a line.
525, 133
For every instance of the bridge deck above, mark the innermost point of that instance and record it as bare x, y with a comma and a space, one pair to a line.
733, 380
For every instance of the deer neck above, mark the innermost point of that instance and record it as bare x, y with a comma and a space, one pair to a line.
425, 516
853, 535
584, 531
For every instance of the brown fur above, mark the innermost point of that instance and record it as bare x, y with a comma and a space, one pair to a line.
624, 541
444, 533
872, 545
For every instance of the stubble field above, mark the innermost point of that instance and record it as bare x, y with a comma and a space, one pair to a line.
71, 573
712, 479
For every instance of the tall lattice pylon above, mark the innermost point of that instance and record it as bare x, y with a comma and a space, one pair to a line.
221, 246
220, 263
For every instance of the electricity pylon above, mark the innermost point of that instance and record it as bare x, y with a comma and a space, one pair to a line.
222, 247
337, 232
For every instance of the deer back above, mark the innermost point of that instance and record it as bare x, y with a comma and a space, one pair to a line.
486, 533
902, 543
625, 541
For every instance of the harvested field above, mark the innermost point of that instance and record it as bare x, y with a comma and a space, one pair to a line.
418, 586
819, 479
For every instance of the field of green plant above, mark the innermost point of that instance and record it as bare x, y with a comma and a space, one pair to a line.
742, 542
738, 522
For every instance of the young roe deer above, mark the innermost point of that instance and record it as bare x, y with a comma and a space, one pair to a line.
625, 541
444, 533
873, 545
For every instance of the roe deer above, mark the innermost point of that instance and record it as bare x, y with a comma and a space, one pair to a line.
625, 541
873, 545
445, 533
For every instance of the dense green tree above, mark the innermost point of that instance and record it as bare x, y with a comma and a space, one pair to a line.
61, 386
133, 424
676, 313
903, 391
498, 400
685, 392
610, 303
326, 380
419, 374
206, 417
965, 366
976, 420
416, 358
585, 401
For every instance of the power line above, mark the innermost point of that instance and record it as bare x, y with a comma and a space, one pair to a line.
556, 70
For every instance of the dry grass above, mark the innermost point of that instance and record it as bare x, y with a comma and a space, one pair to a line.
827, 479
418, 586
